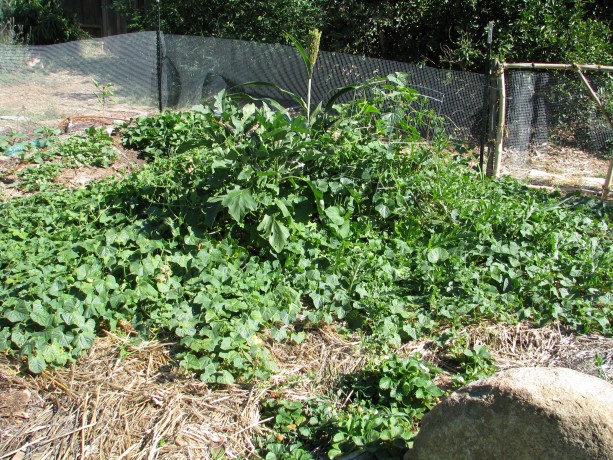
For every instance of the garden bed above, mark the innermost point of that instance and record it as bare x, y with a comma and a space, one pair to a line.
264, 286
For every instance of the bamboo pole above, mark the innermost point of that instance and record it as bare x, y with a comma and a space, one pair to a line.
492, 119
548, 66
607, 183
502, 112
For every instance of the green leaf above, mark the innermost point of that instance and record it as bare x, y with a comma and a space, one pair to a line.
294, 96
239, 202
385, 383
225, 378
40, 315
191, 362
319, 196
36, 364
384, 210
303, 54
335, 214
436, 255
18, 314
275, 231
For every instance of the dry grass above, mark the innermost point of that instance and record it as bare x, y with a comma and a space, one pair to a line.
563, 168
129, 400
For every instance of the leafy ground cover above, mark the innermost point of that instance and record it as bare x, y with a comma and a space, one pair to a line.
249, 227
42, 160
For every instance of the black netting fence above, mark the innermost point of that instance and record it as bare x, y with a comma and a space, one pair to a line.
45, 84
117, 77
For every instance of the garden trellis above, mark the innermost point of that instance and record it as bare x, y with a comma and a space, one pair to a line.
548, 109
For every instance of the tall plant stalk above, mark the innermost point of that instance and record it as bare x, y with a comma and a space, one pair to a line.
314, 39
309, 57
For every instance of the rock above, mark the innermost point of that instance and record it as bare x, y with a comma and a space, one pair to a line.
523, 413
15, 403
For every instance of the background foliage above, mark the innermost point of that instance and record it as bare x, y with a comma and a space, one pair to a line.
438, 32
434, 32
40, 22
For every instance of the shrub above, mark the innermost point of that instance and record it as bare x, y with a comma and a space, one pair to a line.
42, 22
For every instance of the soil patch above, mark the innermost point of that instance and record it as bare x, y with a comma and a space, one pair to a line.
562, 168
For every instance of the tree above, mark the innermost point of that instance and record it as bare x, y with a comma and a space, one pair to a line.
259, 20
447, 33
42, 22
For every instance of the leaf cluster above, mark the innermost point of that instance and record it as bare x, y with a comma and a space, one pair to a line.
249, 226
439, 32
47, 157
375, 410
41, 22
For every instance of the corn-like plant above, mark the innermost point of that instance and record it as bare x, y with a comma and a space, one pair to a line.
309, 58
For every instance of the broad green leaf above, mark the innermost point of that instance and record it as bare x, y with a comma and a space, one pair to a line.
5, 337
82, 341
385, 383
274, 230
191, 362
40, 315
436, 255
298, 337
19, 336
248, 111
299, 125
384, 210
36, 364
319, 196
239, 202
81, 272
19, 313
225, 378
335, 214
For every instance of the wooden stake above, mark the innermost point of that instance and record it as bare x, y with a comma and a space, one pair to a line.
491, 122
547, 66
502, 113
607, 183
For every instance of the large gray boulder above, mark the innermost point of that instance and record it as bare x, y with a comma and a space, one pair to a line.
523, 413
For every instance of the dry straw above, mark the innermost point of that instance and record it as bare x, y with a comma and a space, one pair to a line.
129, 400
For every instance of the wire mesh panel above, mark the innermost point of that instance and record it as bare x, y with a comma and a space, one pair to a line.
195, 68
550, 112
112, 77
117, 77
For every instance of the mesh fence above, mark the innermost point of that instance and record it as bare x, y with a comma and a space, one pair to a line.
41, 85
197, 67
550, 112
45, 84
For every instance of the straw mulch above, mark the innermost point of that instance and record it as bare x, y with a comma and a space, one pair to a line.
129, 400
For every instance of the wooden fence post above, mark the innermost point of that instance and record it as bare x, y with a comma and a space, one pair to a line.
546, 66
502, 114
492, 116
